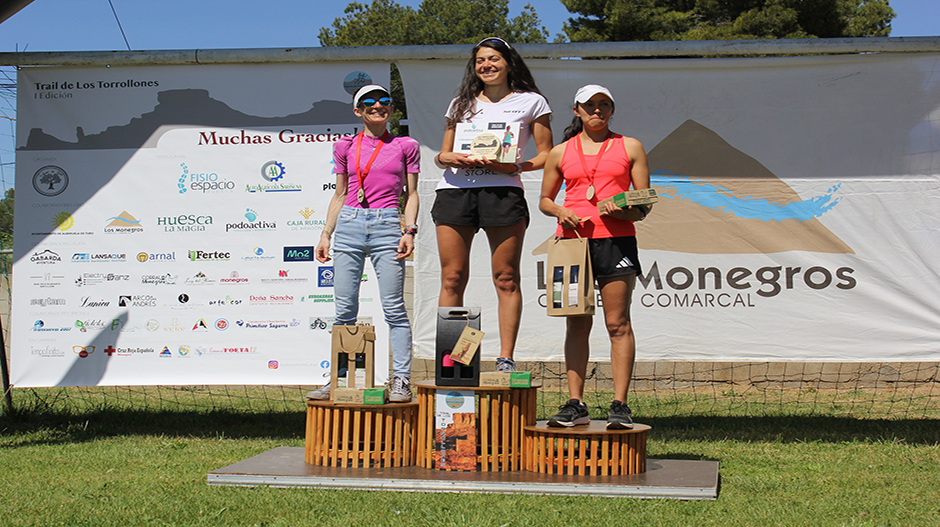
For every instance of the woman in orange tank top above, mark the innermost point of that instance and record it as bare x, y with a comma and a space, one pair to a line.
595, 163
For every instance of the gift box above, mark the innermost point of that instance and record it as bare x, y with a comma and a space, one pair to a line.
506, 379
364, 396
450, 324
630, 198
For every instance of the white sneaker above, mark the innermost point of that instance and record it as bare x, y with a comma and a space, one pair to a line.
320, 394
401, 390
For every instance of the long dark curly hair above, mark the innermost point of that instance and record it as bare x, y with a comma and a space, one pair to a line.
519, 76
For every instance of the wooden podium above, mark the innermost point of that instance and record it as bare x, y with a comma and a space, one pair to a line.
585, 450
507, 436
501, 415
360, 435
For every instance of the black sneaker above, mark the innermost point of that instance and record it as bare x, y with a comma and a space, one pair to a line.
620, 417
574, 412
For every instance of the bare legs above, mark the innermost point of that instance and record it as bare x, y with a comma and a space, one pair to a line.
453, 243
616, 294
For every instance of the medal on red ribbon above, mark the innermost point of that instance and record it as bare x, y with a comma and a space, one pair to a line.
361, 173
597, 159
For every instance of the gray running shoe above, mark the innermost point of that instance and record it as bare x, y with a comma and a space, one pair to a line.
320, 394
400, 391
574, 412
620, 417
505, 364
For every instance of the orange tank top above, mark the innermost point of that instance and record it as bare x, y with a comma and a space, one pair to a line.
612, 177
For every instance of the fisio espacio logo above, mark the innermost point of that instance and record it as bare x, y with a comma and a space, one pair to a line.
202, 182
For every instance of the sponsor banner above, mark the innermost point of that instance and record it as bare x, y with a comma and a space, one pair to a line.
795, 219
166, 222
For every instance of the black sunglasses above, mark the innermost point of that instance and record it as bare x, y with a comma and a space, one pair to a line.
384, 101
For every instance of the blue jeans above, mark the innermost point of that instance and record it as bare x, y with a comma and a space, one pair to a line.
374, 233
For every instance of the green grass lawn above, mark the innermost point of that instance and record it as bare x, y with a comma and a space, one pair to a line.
113, 465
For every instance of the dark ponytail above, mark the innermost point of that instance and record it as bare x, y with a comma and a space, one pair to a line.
573, 129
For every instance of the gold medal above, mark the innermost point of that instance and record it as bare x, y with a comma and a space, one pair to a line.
597, 159
361, 196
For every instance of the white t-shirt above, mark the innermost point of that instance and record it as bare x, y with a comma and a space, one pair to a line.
518, 107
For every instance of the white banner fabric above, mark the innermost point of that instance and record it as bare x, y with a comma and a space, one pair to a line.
797, 217
166, 219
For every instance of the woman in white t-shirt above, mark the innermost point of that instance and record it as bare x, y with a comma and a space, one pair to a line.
475, 193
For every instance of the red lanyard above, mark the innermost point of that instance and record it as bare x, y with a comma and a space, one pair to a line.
597, 160
361, 173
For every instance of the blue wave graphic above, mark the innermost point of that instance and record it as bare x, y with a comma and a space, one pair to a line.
124, 220
723, 200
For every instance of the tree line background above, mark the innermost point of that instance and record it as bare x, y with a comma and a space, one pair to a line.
437, 22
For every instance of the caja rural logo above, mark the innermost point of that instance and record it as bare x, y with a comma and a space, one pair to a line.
707, 206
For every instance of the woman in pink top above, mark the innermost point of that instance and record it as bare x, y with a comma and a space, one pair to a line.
372, 170
595, 163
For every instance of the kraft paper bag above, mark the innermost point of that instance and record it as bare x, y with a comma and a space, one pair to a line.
351, 341
570, 278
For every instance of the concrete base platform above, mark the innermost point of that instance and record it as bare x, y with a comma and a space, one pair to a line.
285, 467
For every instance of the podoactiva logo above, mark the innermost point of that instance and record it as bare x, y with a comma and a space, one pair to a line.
715, 199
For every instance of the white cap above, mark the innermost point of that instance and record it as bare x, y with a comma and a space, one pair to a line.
586, 92
366, 89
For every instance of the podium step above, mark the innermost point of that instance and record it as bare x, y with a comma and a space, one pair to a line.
360, 435
585, 450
